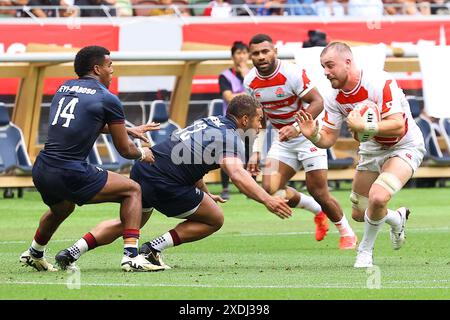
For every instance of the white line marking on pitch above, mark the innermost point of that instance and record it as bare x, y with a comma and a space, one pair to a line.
332, 286
439, 229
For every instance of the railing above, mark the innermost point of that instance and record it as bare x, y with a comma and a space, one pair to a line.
235, 10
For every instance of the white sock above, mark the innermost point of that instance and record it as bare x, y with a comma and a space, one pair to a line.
78, 248
36, 246
344, 227
163, 242
394, 219
308, 203
371, 229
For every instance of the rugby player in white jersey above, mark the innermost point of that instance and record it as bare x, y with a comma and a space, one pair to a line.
283, 89
387, 160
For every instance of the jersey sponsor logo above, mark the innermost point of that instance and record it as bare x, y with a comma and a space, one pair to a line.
280, 92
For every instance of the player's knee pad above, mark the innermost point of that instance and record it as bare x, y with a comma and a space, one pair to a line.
359, 202
389, 182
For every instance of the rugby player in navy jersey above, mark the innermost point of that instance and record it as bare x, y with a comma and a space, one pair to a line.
174, 185
82, 109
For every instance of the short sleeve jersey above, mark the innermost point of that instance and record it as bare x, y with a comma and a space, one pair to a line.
195, 150
279, 93
382, 89
78, 112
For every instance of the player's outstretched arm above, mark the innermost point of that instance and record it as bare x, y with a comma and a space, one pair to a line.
325, 138
126, 147
244, 182
200, 184
138, 132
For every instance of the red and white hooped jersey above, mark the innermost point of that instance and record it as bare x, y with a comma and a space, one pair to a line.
381, 88
279, 93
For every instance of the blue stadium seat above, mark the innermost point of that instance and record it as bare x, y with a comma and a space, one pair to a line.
95, 159
414, 106
15, 159
215, 108
444, 125
115, 159
338, 163
434, 153
159, 113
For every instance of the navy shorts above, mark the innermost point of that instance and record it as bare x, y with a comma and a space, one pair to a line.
56, 184
165, 195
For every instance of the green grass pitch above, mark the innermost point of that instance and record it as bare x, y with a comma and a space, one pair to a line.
254, 256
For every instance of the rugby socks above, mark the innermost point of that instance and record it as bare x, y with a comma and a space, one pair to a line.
344, 227
308, 203
38, 244
167, 240
130, 242
371, 228
86, 243
394, 219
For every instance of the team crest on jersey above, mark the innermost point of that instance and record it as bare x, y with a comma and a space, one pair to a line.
257, 94
313, 149
280, 92
409, 156
348, 110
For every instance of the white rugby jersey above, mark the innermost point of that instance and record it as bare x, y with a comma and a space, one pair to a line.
279, 93
381, 88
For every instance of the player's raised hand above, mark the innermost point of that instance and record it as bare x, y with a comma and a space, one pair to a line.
139, 131
217, 198
148, 156
279, 206
253, 164
355, 122
307, 124
287, 133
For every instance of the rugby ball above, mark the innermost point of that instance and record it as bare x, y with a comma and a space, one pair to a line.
370, 114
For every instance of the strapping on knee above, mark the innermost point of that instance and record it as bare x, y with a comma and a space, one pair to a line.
359, 202
389, 182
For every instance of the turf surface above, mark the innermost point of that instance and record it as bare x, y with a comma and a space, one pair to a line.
254, 256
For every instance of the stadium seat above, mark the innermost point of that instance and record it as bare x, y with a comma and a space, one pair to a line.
115, 159
444, 125
95, 159
215, 108
338, 163
414, 106
159, 113
434, 154
15, 159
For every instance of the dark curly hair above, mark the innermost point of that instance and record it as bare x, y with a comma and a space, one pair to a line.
87, 58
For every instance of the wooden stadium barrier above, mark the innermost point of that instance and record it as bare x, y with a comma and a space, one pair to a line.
183, 65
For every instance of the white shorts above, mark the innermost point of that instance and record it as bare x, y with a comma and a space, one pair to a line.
412, 153
298, 153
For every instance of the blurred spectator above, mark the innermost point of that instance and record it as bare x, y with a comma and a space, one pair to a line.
231, 83
200, 6
7, 12
440, 7
239, 11
97, 12
218, 9
300, 7
329, 8
424, 7
369, 9
168, 10
269, 7
124, 8
316, 38
36, 8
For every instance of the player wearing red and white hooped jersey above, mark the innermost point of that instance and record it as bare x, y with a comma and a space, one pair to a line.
387, 161
283, 89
